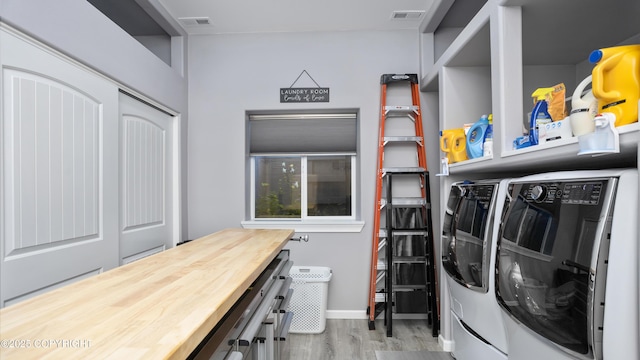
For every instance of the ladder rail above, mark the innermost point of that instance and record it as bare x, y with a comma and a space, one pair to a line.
426, 192
376, 223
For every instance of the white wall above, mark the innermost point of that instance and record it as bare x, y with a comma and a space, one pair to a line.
79, 30
229, 74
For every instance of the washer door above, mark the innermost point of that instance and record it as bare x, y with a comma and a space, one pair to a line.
466, 234
550, 241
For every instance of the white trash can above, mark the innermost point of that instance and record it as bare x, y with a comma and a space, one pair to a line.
309, 300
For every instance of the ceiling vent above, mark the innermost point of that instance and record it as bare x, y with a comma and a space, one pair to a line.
407, 14
195, 21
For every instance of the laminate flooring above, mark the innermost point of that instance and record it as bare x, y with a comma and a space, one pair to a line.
352, 340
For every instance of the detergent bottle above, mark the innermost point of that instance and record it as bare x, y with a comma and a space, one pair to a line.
540, 114
616, 81
475, 137
584, 109
487, 144
453, 143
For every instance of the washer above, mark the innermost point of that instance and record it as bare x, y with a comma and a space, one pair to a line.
567, 266
468, 257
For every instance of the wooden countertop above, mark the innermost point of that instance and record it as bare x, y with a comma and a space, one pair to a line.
159, 307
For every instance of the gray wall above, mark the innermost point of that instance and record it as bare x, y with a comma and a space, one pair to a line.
229, 74
79, 30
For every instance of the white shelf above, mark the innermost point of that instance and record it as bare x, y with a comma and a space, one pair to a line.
470, 48
498, 59
559, 154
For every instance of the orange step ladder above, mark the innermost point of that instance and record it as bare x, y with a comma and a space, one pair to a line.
403, 271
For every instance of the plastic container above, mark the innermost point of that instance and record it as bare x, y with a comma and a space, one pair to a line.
475, 137
453, 143
616, 81
583, 109
309, 300
603, 140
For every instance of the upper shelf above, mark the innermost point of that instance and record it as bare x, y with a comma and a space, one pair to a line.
470, 48
557, 155
563, 32
510, 48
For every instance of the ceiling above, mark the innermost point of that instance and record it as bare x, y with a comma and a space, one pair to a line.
261, 16
142, 17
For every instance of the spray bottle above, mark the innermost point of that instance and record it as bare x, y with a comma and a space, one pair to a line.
487, 145
540, 114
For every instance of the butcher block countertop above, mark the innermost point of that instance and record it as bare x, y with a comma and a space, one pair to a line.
159, 307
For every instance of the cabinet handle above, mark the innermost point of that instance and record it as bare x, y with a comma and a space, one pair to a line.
285, 288
282, 269
284, 303
284, 328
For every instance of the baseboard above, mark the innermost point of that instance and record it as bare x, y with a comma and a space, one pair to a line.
446, 345
346, 314
362, 314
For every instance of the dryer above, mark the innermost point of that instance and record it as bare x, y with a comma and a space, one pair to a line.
567, 266
468, 254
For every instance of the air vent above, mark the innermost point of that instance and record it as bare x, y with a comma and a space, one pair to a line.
195, 21
407, 14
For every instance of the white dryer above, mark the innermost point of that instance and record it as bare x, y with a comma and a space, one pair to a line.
468, 255
567, 266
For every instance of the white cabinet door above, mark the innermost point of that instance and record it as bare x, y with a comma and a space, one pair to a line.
146, 167
59, 173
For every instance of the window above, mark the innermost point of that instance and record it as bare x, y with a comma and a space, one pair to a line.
302, 168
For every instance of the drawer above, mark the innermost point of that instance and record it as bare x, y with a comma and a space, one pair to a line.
247, 322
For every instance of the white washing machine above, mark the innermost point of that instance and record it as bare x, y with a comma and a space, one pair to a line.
468, 257
567, 266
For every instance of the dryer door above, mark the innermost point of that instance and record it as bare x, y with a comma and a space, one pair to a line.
466, 234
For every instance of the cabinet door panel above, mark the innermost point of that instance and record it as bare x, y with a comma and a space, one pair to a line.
59, 171
146, 209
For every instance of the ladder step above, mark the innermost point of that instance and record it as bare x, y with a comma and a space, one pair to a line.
401, 109
417, 139
390, 78
409, 259
397, 288
403, 170
407, 201
407, 232
382, 266
380, 298
382, 234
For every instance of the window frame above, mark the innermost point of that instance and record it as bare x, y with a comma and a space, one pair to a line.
304, 216
305, 223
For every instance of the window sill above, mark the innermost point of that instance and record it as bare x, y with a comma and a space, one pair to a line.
327, 226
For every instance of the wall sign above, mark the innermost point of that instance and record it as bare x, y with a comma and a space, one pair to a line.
304, 94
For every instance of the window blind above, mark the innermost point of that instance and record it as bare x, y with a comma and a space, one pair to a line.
303, 133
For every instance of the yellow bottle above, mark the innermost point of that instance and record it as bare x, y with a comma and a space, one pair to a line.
452, 143
616, 81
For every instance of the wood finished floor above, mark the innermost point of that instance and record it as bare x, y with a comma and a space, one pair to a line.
352, 340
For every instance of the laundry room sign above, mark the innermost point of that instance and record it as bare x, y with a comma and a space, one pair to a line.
304, 94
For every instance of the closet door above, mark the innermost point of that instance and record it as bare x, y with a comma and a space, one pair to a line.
147, 171
59, 173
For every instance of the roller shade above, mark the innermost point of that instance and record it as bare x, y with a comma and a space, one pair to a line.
303, 133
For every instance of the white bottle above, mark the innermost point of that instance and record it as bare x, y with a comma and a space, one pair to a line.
583, 109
